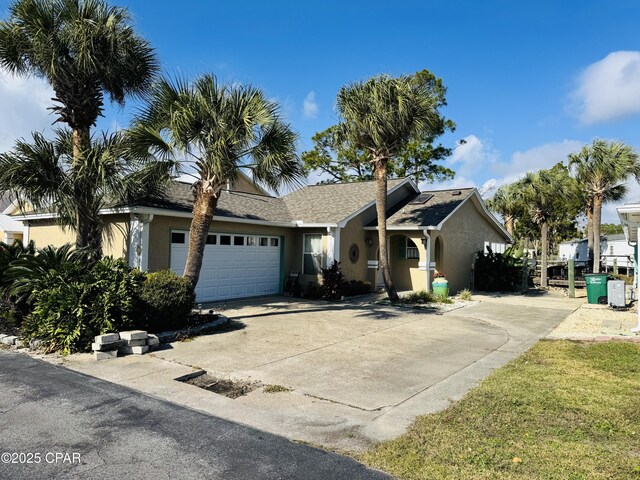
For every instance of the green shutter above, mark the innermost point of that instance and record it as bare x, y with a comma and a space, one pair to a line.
402, 248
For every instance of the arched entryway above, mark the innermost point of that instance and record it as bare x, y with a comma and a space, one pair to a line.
438, 254
404, 255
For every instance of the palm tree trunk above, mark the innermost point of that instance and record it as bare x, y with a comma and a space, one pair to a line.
590, 234
380, 172
597, 216
508, 224
81, 143
544, 233
204, 206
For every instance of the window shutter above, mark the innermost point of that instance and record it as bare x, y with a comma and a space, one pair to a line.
402, 248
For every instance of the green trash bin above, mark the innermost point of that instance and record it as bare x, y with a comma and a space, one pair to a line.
441, 287
597, 287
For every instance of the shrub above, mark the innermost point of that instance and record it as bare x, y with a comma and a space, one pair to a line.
497, 272
72, 304
10, 319
332, 282
352, 288
465, 295
422, 296
167, 300
313, 291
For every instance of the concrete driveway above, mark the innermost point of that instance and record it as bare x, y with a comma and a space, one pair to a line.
356, 373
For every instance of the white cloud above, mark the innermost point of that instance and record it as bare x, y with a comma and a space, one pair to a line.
536, 158
471, 156
24, 108
608, 89
310, 106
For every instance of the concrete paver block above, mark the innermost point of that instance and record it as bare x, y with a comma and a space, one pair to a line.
2, 335
109, 354
133, 335
152, 340
107, 346
107, 338
139, 350
136, 343
9, 340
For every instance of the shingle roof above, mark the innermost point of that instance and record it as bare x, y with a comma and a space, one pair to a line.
333, 202
430, 213
231, 204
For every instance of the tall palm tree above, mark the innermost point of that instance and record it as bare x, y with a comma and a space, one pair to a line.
544, 193
218, 131
41, 174
602, 169
85, 49
507, 202
381, 116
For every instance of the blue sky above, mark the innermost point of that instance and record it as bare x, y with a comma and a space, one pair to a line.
528, 82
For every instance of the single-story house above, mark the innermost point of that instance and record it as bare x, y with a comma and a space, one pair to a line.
10, 229
256, 240
613, 249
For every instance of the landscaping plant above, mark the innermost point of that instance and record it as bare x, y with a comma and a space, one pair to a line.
332, 282
167, 300
497, 272
72, 304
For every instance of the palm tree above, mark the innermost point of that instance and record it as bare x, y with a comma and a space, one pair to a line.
602, 169
380, 116
41, 174
544, 193
85, 49
506, 201
218, 131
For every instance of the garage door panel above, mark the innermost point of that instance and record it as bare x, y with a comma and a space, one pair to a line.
232, 271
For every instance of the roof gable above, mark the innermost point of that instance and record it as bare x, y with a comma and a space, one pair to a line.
430, 213
335, 202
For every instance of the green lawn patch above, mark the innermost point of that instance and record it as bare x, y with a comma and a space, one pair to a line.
563, 410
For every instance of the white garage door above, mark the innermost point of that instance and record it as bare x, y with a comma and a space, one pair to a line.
234, 265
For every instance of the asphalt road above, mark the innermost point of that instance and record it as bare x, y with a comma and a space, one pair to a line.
73, 426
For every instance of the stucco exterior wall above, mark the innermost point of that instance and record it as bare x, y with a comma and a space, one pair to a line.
48, 232
244, 184
351, 234
462, 236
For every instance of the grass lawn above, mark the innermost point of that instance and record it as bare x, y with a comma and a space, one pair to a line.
563, 410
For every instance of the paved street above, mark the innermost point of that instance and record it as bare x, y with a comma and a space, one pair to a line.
121, 433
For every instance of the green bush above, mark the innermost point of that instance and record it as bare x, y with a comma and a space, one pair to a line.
10, 319
72, 304
352, 288
422, 297
167, 301
313, 291
497, 272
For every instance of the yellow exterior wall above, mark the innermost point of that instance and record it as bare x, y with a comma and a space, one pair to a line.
353, 233
244, 184
462, 237
48, 232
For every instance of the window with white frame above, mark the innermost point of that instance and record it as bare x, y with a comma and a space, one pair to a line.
412, 249
312, 253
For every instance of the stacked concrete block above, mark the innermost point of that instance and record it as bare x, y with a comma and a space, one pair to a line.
135, 342
9, 339
106, 346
